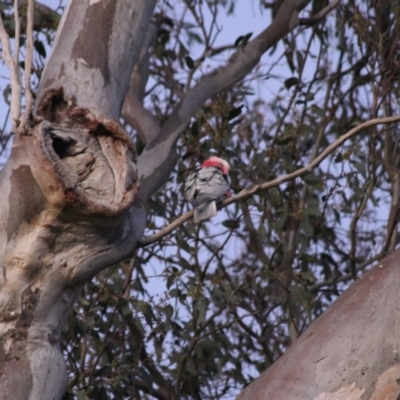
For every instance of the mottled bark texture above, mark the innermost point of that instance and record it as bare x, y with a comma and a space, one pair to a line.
64, 194
66, 191
97, 45
351, 352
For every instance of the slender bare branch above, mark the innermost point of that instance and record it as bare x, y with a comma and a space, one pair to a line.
345, 277
276, 182
17, 31
145, 387
332, 147
28, 63
13, 67
320, 15
166, 231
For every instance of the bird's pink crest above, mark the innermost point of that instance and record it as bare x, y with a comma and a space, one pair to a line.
217, 162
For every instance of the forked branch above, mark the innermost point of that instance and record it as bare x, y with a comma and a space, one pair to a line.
156, 161
13, 67
12, 63
245, 193
320, 15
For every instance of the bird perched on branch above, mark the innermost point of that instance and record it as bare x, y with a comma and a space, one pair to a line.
207, 185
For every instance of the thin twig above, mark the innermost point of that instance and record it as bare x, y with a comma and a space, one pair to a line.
320, 15
245, 193
17, 32
13, 67
28, 67
346, 277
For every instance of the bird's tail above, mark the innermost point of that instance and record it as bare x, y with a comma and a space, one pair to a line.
204, 211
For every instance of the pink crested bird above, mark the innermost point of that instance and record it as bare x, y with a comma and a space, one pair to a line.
207, 185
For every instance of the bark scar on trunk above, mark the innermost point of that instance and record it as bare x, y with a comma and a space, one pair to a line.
73, 176
90, 157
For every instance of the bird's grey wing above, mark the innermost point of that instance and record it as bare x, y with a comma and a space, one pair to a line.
212, 184
190, 186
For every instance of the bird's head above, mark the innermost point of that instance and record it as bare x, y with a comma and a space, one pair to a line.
217, 162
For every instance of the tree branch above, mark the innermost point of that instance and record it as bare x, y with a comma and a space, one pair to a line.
28, 66
158, 159
45, 16
144, 386
29, 57
345, 277
137, 116
245, 193
133, 110
320, 15
17, 31
13, 67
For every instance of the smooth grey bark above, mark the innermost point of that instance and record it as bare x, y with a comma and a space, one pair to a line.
97, 45
66, 191
65, 194
351, 352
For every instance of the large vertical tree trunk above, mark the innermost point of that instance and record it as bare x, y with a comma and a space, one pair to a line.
351, 352
66, 190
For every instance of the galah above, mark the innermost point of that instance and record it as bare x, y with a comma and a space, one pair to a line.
207, 185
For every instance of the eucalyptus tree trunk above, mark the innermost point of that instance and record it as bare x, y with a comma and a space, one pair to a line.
351, 352
66, 191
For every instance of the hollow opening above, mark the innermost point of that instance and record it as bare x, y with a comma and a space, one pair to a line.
62, 147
